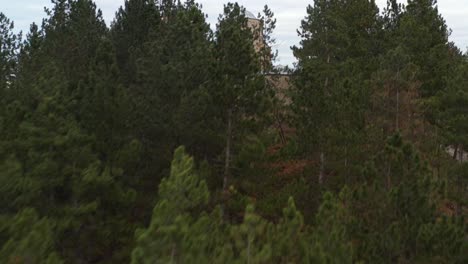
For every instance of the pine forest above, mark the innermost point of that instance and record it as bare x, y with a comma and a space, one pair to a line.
160, 138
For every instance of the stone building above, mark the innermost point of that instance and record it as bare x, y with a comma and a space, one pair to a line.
256, 25
278, 78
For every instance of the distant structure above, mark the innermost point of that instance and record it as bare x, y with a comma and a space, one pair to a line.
457, 153
250, 15
279, 79
256, 25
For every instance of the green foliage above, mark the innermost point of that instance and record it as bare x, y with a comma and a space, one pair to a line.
424, 31
288, 236
90, 117
395, 78
130, 30
331, 94
239, 92
329, 240
442, 241
9, 44
249, 239
393, 214
179, 195
183, 188
267, 54
31, 239
171, 56
450, 105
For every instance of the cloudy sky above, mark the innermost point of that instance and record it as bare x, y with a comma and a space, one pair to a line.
288, 14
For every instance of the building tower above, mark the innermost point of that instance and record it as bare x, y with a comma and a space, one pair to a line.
255, 25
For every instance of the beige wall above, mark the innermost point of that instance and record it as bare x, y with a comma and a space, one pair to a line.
281, 84
256, 27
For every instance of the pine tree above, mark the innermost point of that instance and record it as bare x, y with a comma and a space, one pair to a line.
180, 195
105, 181
442, 241
31, 239
335, 59
250, 239
267, 53
9, 47
62, 166
169, 97
32, 150
105, 107
29, 67
288, 236
265, 42
450, 104
90, 116
450, 118
207, 240
130, 30
424, 31
329, 240
393, 210
77, 24
238, 90
395, 91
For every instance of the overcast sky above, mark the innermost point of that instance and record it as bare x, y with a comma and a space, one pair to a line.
288, 13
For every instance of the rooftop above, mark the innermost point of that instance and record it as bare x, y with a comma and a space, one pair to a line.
250, 15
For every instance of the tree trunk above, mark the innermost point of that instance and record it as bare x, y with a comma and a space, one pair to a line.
322, 167
438, 159
460, 184
461, 153
322, 154
397, 121
328, 55
389, 178
326, 79
228, 150
346, 163
279, 124
173, 253
248, 250
455, 152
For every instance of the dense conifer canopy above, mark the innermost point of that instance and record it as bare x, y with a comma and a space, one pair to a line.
161, 140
